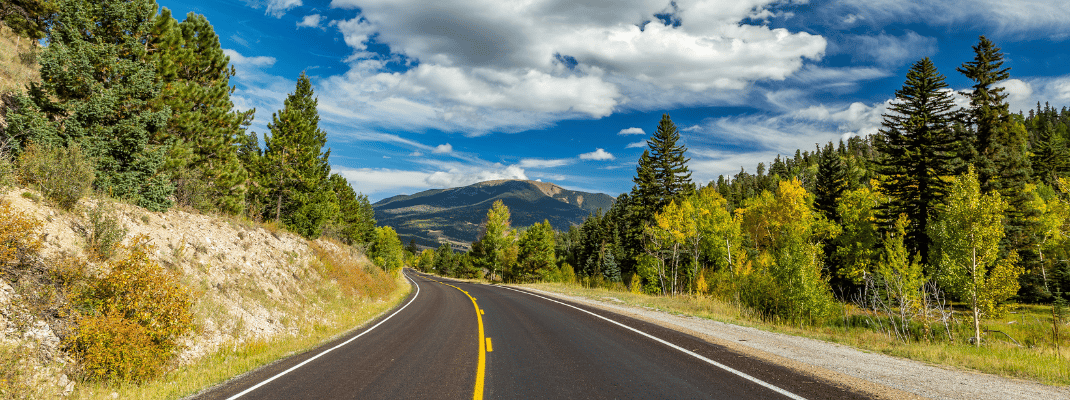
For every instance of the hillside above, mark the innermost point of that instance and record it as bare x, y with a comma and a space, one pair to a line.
454, 215
254, 286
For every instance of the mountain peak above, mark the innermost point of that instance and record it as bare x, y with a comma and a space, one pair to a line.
455, 215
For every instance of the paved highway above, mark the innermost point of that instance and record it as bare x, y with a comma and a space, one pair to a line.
518, 345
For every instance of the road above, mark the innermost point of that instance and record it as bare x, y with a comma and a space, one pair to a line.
519, 345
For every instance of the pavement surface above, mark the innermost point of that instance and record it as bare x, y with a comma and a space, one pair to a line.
519, 344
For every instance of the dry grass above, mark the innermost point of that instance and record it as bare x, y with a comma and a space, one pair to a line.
15, 71
1031, 325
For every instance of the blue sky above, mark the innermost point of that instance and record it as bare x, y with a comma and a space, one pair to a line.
417, 95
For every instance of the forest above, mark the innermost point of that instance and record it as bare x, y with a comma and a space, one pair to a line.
946, 205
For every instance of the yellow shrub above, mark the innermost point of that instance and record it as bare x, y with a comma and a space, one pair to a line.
136, 314
18, 236
113, 347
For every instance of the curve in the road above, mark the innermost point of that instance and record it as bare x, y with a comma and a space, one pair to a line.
481, 368
279, 375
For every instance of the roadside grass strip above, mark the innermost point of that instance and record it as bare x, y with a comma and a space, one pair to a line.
280, 374
688, 352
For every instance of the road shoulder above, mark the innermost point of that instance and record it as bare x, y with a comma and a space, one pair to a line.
876, 375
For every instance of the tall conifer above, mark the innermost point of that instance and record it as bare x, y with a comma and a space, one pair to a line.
294, 167
916, 144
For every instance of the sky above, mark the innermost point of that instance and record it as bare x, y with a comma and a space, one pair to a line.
417, 95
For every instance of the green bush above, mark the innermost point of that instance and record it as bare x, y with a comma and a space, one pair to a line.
134, 318
7, 169
101, 230
62, 174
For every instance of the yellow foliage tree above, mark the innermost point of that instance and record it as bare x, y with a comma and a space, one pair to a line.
966, 236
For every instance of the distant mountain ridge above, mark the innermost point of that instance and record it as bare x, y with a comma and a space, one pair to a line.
454, 215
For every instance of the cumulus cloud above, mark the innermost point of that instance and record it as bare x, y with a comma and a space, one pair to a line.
631, 131
479, 66
443, 149
636, 145
239, 60
382, 182
1024, 94
1013, 17
455, 177
310, 21
598, 155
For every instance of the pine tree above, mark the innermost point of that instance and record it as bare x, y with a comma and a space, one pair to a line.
96, 88
28, 18
915, 146
662, 175
355, 221
831, 182
1003, 148
204, 131
295, 167
1051, 157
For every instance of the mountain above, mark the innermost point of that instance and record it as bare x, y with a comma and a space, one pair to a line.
454, 215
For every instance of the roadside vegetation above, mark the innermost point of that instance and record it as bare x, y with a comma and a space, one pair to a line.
142, 115
942, 238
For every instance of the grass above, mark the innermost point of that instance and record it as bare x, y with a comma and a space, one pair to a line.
1031, 325
347, 313
15, 72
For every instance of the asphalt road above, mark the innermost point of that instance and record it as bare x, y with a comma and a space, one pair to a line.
521, 345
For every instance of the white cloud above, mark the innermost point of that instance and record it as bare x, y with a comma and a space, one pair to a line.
239, 60
598, 155
543, 163
888, 50
416, 154
443, 149
378, 183
1024, 94
631, 131
1015, 17
278, 8
636, 145
310, 21
501, 66
455, 177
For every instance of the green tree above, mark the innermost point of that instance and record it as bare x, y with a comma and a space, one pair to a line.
204, 131
831, 182
354, 223
966, 236
496, 241
536, 252
662, 174
916, 144
1003, 147
857, 246
295, 168
386, 250
96, 88
28, 18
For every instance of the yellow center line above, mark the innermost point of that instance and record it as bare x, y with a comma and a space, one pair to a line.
484, 345
489, 347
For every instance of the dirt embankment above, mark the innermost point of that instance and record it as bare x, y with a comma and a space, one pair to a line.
249, 283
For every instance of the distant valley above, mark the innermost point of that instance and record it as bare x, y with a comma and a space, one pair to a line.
455, 215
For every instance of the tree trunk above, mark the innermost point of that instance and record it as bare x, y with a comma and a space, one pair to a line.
976, 309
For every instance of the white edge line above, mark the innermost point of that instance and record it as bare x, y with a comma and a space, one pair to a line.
693, 354
280, 374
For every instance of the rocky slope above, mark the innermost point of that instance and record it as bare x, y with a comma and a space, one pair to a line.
454, 215
250, 283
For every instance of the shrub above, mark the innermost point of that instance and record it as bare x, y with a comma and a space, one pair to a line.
135, 316
18, 236
101, 230
62, 174
7, 169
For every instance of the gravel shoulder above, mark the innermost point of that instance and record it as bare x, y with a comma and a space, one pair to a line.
877, 375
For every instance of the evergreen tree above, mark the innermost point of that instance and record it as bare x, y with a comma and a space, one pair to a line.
915, 144
28, 18
294, 167
204, 131
536, 252
355, 221
1050, 155
1003, 148
831, 182
662, 175
96, 88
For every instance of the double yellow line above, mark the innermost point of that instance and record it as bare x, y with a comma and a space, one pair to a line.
484, 344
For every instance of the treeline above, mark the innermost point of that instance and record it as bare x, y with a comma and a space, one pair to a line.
968, 202
146, 98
